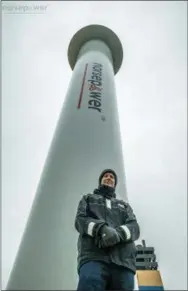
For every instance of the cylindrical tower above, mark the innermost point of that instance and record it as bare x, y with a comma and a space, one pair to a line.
86, 141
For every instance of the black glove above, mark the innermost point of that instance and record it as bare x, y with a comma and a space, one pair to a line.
97, 233
108, 237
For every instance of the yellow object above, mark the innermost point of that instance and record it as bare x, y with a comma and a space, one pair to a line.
149, 278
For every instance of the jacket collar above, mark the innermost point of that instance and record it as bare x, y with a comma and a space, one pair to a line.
105, 191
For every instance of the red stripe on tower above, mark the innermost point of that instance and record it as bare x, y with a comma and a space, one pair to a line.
82, 88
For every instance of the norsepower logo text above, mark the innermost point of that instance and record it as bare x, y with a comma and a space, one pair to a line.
23, 8
95, 88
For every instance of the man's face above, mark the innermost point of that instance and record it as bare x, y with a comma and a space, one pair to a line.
108, 179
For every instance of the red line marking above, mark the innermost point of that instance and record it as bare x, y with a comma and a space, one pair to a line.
82, 88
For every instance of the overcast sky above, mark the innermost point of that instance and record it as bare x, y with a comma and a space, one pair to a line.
152, 102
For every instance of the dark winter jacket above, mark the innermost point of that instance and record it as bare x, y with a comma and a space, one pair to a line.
95, 210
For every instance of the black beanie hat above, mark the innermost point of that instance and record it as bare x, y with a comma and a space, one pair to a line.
107, 171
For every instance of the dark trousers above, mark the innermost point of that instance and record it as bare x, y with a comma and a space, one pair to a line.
99, 276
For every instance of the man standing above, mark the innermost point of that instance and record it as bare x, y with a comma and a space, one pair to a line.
107, 230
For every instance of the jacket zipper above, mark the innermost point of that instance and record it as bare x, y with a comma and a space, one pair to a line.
105, 210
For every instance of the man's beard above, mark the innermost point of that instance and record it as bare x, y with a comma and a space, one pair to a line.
108, 182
